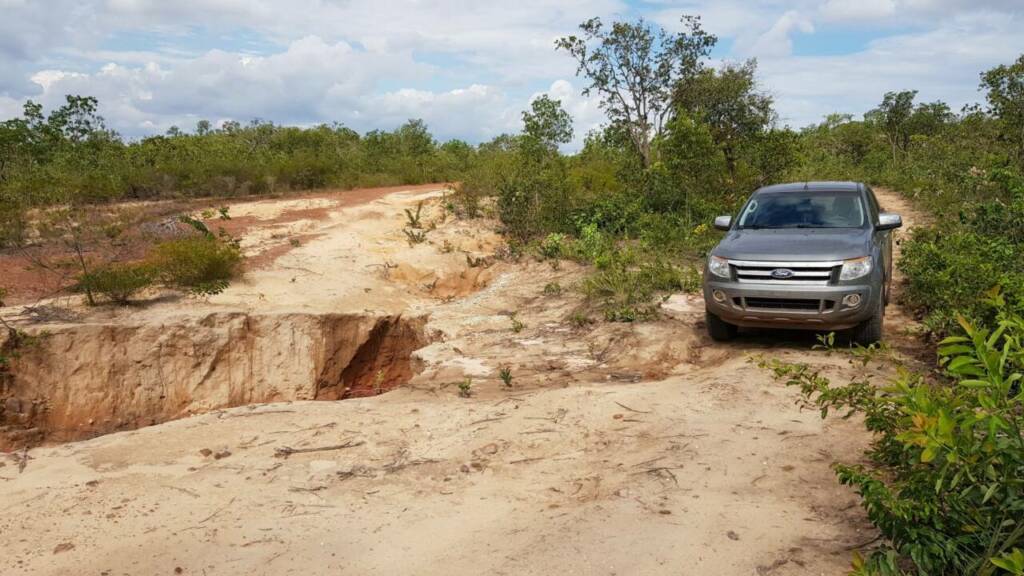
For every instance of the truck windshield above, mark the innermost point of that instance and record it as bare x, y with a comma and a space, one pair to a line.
803, 210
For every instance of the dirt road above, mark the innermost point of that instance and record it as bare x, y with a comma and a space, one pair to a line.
620, 449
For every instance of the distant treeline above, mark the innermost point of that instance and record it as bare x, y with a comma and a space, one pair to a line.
70, 155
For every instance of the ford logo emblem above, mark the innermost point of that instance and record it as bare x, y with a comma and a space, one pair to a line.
782, 273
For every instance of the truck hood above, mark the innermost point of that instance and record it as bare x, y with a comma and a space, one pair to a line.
795, 245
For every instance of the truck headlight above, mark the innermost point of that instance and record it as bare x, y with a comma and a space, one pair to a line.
855, 268
718, 266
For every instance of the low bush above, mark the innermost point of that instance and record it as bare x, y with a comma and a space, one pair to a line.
202, 265
118, 282
625, 284
553, 246
946, 481
947, 270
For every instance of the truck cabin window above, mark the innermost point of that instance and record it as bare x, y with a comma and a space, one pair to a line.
803, 210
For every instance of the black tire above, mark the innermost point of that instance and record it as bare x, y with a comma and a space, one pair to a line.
870, 331
718, 329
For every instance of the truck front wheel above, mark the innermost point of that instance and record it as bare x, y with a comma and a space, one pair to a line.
870, 330
718, 329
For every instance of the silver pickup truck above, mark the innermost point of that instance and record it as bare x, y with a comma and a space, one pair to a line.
809, 255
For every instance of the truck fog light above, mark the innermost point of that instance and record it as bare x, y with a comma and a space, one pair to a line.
851, 300
719, 296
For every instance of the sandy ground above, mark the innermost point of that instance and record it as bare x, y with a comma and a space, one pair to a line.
620, 449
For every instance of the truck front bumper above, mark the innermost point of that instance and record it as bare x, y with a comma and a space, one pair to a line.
796, 306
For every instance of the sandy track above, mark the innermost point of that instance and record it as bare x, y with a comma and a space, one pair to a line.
623, 449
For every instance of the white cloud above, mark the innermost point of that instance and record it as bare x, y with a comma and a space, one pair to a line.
312, 81
468, 68
478, 112
776, 41
845, 10
942, 63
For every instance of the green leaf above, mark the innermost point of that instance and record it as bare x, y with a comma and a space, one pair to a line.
988, 493
956, 349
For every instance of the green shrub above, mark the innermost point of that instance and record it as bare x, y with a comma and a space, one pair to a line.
202, 265
591, 245
465, 199
947, 272
946, 483
118, 282
12, 222
625, 284
553, 246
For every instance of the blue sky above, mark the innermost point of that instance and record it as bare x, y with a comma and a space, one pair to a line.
468, 68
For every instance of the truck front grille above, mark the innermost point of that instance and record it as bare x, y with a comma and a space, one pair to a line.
783, 304
800, 273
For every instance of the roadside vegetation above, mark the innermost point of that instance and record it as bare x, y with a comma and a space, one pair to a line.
944, 479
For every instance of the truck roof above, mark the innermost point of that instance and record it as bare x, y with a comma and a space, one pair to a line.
811, 187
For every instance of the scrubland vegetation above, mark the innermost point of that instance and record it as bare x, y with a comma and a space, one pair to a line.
684, 142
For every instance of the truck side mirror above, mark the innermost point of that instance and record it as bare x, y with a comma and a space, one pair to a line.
723, 223
889, 221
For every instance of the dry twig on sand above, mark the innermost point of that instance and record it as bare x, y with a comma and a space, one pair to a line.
286, 451
632, 409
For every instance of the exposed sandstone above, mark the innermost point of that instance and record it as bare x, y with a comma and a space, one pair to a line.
82, 380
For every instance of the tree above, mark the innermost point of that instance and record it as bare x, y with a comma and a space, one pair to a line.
548, 122
729, 102
633, 68
929, 119
893, 115
78, 119
1004, 90
415, 138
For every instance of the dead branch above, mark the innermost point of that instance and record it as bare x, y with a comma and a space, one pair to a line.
661, 472
632, 409
312, 489
494, 419
253, 413
185, 490
286, 451
218, 511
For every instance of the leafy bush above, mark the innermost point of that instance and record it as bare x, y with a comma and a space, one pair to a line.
625, 284
553, 246
948, 271
946, 484
202, 265
118, 282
